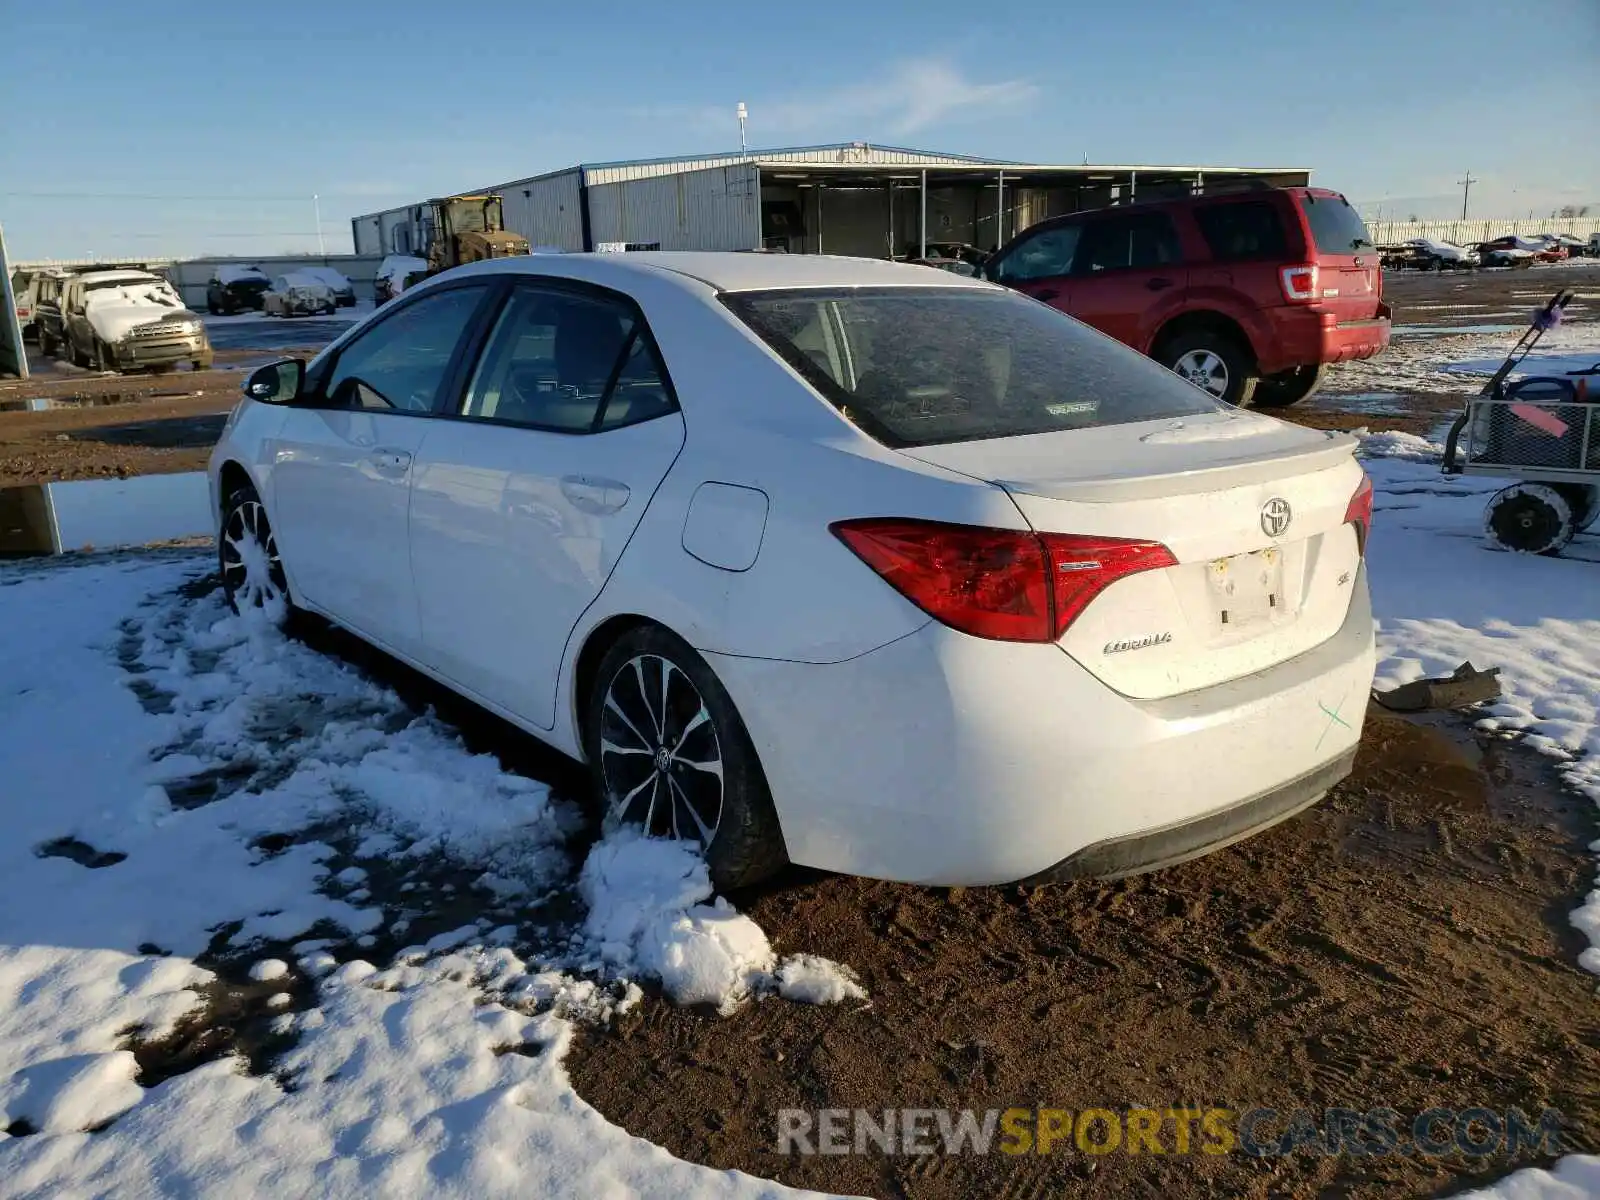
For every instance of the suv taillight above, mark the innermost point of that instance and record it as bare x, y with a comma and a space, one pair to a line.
1008, 585
1359, 511
1299, 282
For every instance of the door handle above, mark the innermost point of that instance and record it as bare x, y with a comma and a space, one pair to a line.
1156, 285
1046, 294
589, 494
391, 462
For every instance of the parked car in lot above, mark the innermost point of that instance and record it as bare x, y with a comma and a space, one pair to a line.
395, 274
336, 281
48, 324
22, 294
956, 266
1432, 254
959, 251
126, 320
234, 289
1512, 250
298, 294
973, 595
1249, 296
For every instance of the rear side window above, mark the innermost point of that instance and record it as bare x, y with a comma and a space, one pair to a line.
1244, 230
923, 366
568, 363
1335, 226
1139, 240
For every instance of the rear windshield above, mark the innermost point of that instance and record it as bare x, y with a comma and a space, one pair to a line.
1335, 227
922, 366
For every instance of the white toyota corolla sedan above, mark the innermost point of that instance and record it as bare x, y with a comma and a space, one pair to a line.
824, 560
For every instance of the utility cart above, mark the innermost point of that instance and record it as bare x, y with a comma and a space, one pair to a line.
1543, 432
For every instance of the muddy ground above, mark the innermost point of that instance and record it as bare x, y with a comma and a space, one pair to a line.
1403, 944
108, 425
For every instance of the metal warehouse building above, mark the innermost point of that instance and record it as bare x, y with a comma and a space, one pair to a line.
847, 198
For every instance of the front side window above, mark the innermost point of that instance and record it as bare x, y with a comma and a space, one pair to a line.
1046, 255
923, 366
1141, 241
400, 363
568, 363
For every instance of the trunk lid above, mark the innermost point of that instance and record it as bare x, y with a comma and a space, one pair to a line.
1252, 509
1350, 280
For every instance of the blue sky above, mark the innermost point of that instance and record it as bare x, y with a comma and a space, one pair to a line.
206, 128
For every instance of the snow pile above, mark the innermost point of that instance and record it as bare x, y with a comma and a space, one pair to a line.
398, 1087
648, 915
1575, 1177
61, 1066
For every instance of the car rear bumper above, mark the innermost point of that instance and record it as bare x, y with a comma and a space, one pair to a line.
944, 759
1305, 337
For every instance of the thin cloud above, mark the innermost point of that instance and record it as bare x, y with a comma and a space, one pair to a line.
909, 97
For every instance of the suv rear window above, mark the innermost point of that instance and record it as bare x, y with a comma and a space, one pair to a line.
1335, 226
1242, 230
924, 366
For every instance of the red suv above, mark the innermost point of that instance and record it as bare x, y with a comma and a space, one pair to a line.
1248, 295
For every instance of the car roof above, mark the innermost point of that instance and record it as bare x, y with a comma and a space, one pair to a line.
108, 276
729, 271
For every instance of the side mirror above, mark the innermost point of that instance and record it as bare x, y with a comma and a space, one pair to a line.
277, 382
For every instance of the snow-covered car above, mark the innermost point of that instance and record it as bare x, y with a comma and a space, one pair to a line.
336, 281
235, 288
298, 294
395, 274
1503, 254
1431, 254
128, 320
973, 595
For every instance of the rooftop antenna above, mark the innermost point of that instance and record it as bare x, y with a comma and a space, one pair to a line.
743, 115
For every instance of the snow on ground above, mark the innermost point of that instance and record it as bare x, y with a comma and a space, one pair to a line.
1455, 363
181, 784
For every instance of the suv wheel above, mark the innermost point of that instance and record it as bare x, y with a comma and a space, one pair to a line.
1289, 387
1213, 362
668, 751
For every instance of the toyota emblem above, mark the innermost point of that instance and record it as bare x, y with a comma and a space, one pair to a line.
1275, 516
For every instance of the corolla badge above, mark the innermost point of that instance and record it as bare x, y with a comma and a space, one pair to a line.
1275, 516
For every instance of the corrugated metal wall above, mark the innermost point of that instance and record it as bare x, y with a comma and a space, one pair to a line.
716, 209
545, 210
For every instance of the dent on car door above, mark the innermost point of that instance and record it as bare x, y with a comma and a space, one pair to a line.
524, 503
342, 465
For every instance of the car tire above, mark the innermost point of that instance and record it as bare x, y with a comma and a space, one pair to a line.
252, 574
1214, 362
1289, 387
640, 752
1530, 518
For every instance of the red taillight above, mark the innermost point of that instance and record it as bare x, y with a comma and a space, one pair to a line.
1360, 511
1009, 585
1299, 282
